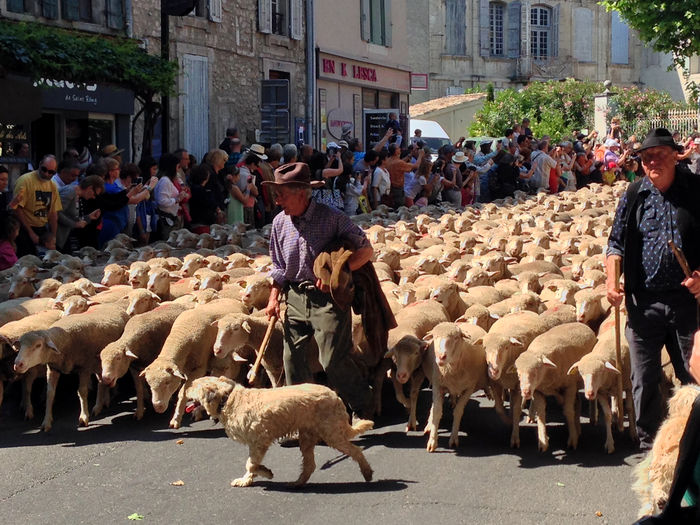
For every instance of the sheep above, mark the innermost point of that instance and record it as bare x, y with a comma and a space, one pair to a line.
216, 263
478, 315
138, 346
75, 304
539, 267
448, 296
141, 301
159, 282
407, 350
192, 263
15, 309
115, 274
600, 371
138, 274
185, 355
202, 297
543, 370
65, 274
237, 331
70, 344
516, 303
115, 294
591, 306
486, 295
238, 260
562, 290
257, 291
21, 286
205, 278
458, 367
47, 288
118, 254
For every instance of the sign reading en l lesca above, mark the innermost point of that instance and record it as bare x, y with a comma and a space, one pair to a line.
98, 98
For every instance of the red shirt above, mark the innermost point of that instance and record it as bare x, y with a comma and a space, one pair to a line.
8, 257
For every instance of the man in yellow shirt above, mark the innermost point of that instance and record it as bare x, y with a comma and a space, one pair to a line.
38, 205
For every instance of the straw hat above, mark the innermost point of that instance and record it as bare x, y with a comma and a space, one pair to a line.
258, 150
459, 157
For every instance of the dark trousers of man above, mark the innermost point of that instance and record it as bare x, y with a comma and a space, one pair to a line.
656, 319
398, 197
312, 313
25, 246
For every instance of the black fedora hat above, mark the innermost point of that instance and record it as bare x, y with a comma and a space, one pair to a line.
294, 173
659, 137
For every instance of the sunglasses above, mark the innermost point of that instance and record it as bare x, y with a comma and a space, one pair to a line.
46, 170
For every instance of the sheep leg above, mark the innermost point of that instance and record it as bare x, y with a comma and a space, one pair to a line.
497, 393
540, 406
457, 416
631, 415
83, 383
416, 382
51, 382
570, 414
307, 443
435, 416
27, 383
593, 412
138, 386
379, 375
398, 391
516, 410
605, 405
182, 401
253, 466
102, 400
577, 413
355, 453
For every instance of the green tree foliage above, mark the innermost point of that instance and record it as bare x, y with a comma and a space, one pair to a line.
44, 52
556, 108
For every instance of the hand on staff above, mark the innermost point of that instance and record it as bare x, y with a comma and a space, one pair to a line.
323, 287
692, 283
694, 362
273, 304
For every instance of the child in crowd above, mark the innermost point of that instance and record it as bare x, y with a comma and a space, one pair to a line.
610, 174
9, 229
47, 241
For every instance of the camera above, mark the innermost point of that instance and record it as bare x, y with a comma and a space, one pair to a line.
139, 180
332, 151
250, 179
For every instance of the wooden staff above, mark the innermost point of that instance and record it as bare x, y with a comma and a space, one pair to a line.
680, 258
618, 351
252, 375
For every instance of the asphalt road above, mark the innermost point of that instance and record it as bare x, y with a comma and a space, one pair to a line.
118, 467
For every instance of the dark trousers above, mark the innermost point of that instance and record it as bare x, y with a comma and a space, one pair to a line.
24, 244
398, 197
654, 320
312, 313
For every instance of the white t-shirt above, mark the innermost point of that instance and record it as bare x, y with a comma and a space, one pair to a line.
381, 181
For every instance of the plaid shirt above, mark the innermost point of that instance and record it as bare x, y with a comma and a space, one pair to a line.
296, 241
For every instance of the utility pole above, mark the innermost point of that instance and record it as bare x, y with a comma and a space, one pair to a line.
165, 55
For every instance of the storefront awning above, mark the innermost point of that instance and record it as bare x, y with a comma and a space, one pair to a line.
20, 101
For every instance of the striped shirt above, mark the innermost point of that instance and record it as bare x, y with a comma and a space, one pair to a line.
295, 242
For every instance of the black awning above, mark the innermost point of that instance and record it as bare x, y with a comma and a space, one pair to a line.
20, 100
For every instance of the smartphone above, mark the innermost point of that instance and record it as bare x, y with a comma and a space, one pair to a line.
139, 180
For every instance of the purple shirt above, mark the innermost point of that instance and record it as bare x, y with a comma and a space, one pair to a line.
296, 241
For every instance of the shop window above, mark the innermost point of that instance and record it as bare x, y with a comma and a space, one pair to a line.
455, 27
76, 10
369, 98
18, 6
375, 18
386, 99
496, 10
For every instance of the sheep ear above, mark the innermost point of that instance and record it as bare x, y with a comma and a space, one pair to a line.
129, 353
239, 358
174, 277
515, 341
612, 367
142, 374
573, 370
547, 361
5, 340
512, 370
225, 277
153, 295
58, 305
52, 345
246, 326
124, 267
179, 374
389, 354
215, 324
494, 316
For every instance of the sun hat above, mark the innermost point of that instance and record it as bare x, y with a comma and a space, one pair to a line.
332, 145
110, 150
343, 143
258, 150
459, 157
294, 173
659, 137
611, 143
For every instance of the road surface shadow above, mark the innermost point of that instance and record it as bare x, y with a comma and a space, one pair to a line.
351, 487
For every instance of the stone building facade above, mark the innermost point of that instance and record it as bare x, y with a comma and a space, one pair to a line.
229, 52
461, 44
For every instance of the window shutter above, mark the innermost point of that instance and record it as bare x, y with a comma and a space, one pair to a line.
49, 9
70, 10
265, 16
297, 18
115, 14
215, 13
364, 20
15, 6
619, 38
484, 27
514, 29
583, 34
387, 23
555, 31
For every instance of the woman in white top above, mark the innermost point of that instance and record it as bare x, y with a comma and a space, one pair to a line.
381, 183
167, 197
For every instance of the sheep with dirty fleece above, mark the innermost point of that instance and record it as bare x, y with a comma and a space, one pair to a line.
257, 417
543, 371
137, 348
71, 344
185, 355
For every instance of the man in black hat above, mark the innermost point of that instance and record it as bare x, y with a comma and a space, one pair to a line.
299, 235
660, 301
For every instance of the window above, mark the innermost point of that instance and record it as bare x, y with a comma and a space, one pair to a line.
49, 9
496, 10
280, 21
281, 17
541, 32
455, 27
76, 10
375, 18
16, 6
115, 13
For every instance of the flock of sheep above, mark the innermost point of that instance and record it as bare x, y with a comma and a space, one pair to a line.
506, 297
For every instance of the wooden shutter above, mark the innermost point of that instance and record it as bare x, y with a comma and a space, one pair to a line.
387, 23
484, 27
70, 9
514, 29
583, 34
265, 16
555, 31
49, 9
115, 14
364, 20
297, 19
619, 40
195, 104
15, 6
214, 8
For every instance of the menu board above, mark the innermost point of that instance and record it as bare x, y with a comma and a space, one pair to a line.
374, 122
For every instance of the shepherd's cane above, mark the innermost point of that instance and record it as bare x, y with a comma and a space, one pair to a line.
252, 375
618, 352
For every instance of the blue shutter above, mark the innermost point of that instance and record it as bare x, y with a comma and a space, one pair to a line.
70, 9
484, 27
514, 9
555, 32
264, 16
365, 28
387, 23
195, 104
49, 9
619, 40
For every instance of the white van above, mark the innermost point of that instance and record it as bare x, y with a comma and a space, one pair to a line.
432, 134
